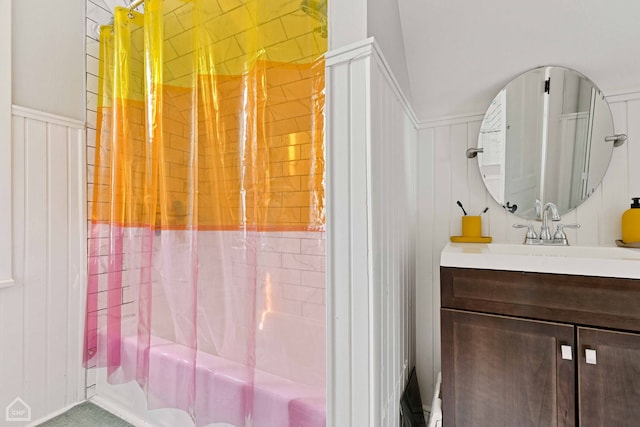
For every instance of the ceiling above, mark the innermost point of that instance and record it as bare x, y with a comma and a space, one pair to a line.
460, 53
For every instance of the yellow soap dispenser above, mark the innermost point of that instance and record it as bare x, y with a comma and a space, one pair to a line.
631, 223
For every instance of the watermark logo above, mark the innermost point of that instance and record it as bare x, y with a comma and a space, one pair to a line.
18, 410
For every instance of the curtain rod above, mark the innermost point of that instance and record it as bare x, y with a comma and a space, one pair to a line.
135, 4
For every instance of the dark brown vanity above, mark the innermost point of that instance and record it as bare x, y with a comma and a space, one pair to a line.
542, 333
539, 349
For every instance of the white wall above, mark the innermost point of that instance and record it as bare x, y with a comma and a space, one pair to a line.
461, 53
454, 177
354, 20
48, 56
370, 240
6, 275
347, 22
384, 24
41, 315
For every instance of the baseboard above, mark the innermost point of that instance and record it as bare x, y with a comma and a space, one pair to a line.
435, 412
42, 116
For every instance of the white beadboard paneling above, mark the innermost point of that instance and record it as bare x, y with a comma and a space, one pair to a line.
358, 229
588, 216
77, 270
19, 188
615, 183
445, 202
477, 194
47, 118
57, 246
339, 299
40, 351
633, 147
377, 176
35, 293
459, 188
425, 309
370, 210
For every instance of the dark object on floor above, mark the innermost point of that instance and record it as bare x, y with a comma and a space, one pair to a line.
86, 415
411, 411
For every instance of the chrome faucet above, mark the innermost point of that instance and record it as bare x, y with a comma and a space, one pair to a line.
559, 238
545, 233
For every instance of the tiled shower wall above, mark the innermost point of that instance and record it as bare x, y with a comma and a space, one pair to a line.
97, 13
295, 261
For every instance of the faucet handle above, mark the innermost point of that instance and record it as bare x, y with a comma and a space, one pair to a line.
531, 234
559, 234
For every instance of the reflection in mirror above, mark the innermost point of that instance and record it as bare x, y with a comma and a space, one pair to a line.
543, 139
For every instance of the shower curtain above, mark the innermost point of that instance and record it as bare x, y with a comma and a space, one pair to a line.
208, 177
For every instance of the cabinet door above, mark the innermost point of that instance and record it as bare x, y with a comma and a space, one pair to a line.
609, 386
502, 371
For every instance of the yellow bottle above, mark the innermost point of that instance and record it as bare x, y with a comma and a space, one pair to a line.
631, 223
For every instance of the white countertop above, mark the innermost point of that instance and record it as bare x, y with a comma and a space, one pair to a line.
579, 260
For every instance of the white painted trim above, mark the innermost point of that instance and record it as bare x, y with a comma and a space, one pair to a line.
355, 75
7, 283
6, 203
450, 120
612, 98
348, 305
622, 96
77, 262
369, 47
393, 83
46, 117
349, 52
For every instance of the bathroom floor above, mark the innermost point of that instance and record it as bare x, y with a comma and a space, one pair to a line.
86, 415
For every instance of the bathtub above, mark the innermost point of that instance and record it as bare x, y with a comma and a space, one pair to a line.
294, 396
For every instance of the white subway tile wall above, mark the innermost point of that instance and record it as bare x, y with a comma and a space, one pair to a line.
293, 263
98, 13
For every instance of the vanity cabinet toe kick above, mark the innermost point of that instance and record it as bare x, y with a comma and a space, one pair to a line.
523, 348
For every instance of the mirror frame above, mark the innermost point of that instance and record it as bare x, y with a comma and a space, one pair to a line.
531, 213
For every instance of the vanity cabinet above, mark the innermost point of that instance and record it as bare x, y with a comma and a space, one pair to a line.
505, 371
515, 347
609, 389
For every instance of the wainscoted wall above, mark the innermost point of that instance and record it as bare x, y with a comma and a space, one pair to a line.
41, 314
371, 216
454, 177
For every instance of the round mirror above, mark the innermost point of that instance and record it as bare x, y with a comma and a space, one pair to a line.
546, 137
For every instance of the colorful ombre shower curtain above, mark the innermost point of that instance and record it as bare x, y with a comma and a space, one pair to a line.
207, 214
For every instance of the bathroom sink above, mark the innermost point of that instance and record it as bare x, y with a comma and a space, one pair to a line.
580, 260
